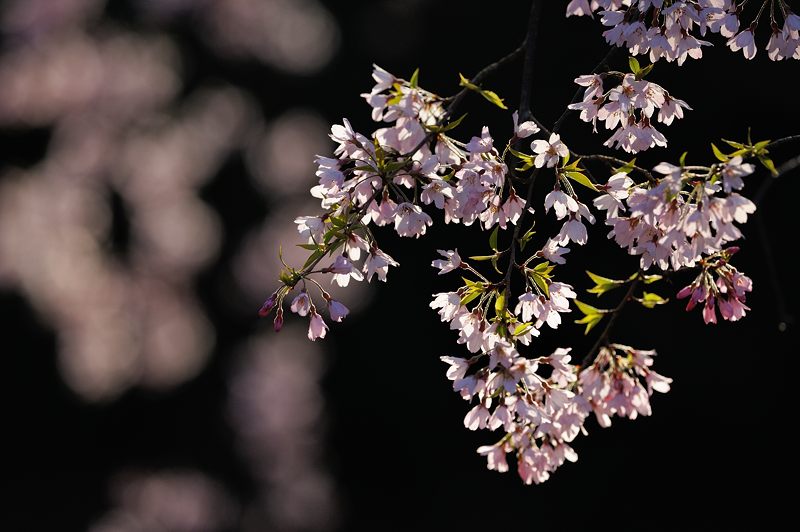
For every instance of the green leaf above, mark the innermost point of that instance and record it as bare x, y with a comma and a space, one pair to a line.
494, 263
414, 81
318, 254
489, 95
500, 303
592, 315
522, 328
544, 268
482, 257
646, 70
588, 309
603, 284
469, 296
682, 160
521, 156
338, 221
493, 238
524, 239
464, 82
590, 320
627, 168
582, 179
633, 63
394, 100
734, 144
310, 247
286, 277
541, 282
718, 154
649, 279
769, 165
565, 161
649, 300
452, 125
758, 146
494, 98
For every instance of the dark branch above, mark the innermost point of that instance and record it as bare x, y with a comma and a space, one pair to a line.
784, 140
487, 71
527, 68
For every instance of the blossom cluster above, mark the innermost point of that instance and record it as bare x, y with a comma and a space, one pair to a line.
686, 215
628, 107
681, 217
728, 291
385, 179
540, 415
669, 30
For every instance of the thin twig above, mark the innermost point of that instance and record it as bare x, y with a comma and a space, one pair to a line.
527, 79
456, 100
611, 161
615, 312
784, 317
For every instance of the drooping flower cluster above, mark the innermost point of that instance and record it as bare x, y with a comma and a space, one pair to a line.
728, 291
680, 217
541, 415
665, 29
620, 382
628, 107
385, 179
691, 212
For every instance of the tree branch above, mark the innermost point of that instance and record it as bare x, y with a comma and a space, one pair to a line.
527, 68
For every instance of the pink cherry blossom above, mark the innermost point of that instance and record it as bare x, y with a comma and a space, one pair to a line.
549, 151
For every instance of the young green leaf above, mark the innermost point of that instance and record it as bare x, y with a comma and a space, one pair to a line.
718, 154
451, 125
469, 296
500, 302
493, 238
633, 63
626, 169
414, 81
649, 300
592, 316
603, 284
768, 164
582, 179
522, 328
590, 320
646, 70
494, 98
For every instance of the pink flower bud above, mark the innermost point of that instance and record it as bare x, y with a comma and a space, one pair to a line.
709, 314
278, 322
268, 305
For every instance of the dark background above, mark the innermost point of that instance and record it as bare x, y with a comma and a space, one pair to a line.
716, 451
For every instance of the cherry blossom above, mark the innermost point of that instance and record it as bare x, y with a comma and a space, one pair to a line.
549, 151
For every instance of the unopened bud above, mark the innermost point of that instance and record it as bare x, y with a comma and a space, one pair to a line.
268, 305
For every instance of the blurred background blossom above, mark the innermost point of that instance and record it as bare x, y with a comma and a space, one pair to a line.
105, 232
